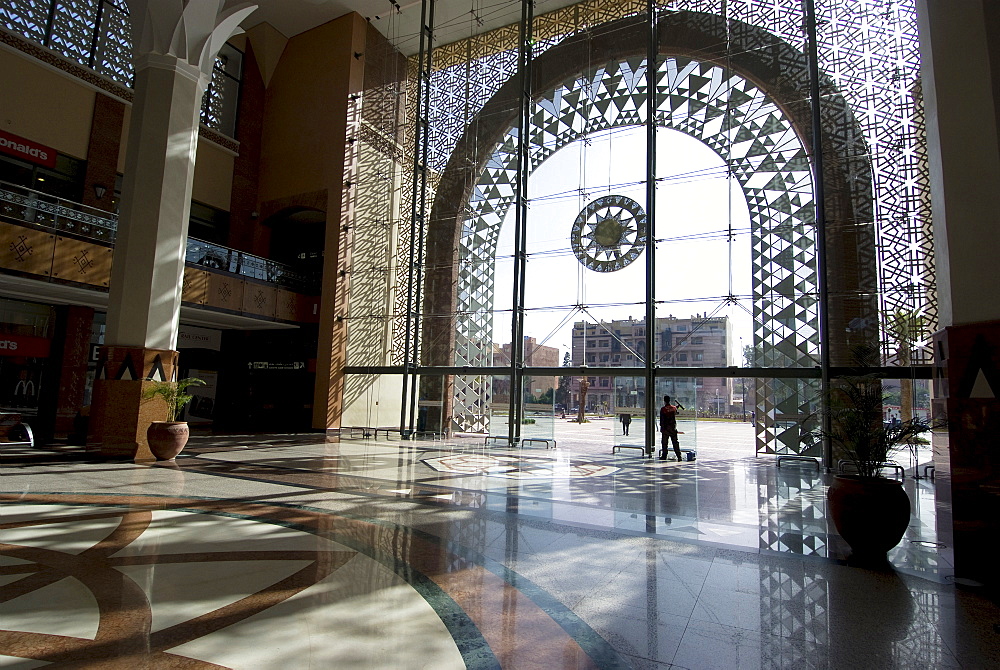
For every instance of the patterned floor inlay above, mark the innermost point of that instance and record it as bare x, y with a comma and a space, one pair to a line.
115, 581
517, 467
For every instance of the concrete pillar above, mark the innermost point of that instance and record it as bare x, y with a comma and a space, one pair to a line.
960, 51
174, 47
963, 154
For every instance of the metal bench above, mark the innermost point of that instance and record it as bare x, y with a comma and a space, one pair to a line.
386, 430
15, 431
690, 454
366, 431
618, 447
803, 459
19, 434
500, 438
895, 467
547, 441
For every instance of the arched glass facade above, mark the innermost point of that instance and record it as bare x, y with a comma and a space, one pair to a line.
494, 268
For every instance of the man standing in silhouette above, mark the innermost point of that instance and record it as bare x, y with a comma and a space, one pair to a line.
626, 420
668, 428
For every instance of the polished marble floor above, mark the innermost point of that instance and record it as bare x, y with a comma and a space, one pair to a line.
298, 552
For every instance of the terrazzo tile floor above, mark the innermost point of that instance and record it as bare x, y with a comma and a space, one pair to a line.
294, 551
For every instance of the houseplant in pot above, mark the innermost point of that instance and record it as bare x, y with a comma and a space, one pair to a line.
869, 511
167, 438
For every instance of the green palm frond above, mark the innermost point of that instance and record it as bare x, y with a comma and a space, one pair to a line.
173, 393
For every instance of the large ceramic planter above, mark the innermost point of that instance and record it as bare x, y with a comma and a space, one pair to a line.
167, 438
870, 514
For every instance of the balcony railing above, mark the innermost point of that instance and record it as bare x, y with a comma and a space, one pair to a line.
218, 257
34, 208
39, 209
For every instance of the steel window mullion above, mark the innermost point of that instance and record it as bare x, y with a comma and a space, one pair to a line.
652, 52
97, 33
422, 229
921, 372
521, 220
411, 355
50, 24
820, 202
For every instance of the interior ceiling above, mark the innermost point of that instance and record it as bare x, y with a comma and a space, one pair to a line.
454, 19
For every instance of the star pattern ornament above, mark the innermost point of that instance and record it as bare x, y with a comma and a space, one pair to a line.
609, 233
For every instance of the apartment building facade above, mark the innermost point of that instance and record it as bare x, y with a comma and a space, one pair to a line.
696, 342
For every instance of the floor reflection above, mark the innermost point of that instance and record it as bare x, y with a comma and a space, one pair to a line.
382, 554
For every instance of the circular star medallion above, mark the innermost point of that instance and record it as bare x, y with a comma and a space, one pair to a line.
609, 233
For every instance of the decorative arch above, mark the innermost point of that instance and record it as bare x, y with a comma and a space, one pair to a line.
749, 103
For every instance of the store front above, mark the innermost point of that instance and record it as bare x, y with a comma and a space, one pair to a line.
40, 168
25, 347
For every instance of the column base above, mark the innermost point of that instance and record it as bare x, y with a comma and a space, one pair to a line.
119, 416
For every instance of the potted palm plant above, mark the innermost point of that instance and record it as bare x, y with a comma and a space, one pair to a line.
871, 512
167, 438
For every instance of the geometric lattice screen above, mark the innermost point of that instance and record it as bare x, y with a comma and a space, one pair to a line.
726, 112
869, 51
869, 62
867, 57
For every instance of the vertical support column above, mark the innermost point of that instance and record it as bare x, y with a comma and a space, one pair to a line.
524, 54
652, 55
144, 299
960, 52
174, 48
324, 66
436, 389
820, 197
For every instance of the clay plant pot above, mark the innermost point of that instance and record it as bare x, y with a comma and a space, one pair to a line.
871, 514
167, 438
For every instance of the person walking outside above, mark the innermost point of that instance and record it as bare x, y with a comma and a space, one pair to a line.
626, 420
668, 428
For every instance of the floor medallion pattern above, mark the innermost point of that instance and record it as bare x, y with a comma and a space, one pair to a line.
112, 581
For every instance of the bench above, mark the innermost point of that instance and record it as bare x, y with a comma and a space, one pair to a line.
547, 441
803, 459
369, 431
645, 452
14, 431
895, 467
500, 438
366, 431
20, 434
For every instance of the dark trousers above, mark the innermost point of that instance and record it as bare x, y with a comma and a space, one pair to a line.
670, 436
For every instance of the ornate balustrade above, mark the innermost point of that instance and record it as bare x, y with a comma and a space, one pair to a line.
47, 237
42, 211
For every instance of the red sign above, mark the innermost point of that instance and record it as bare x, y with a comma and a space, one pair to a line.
39, 154
22, 345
